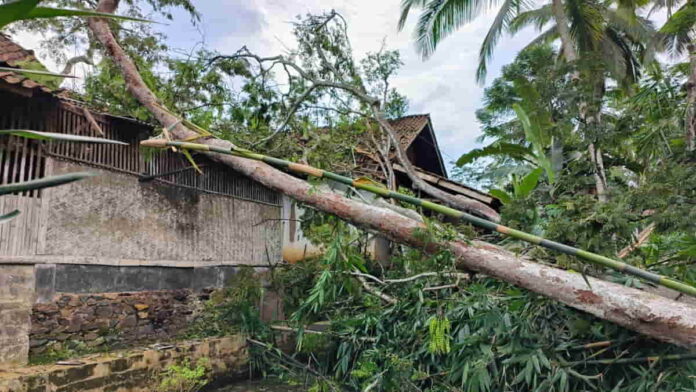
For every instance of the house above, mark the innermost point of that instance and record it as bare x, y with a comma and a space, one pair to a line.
417, 137
131, 251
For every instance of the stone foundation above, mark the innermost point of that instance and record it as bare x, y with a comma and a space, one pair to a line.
135, 371
112, 319
16, 297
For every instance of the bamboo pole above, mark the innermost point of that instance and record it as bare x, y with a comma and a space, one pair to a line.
474, 220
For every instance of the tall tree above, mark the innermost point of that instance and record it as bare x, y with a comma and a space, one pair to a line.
597, 40
680, 38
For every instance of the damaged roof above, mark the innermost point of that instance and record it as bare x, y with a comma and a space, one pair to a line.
13, 55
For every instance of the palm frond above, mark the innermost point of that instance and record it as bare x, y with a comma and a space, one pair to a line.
506, 14
586, 23
619, 57
406, 6
546, 37
537, 18
680, 29
442, 17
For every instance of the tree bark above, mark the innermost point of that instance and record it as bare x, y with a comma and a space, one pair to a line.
571, 55
690, 120
567, 44
599, 172
649, 314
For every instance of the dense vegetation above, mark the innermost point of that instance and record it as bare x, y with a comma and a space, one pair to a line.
589, 143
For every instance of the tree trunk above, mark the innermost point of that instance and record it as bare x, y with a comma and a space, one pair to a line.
571, 55
599, 172
567, 44
652, 315
690, 121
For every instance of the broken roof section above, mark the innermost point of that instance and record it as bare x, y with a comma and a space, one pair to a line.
417, 137
15, 56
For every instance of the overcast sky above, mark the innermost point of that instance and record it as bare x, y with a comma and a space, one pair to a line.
443, 86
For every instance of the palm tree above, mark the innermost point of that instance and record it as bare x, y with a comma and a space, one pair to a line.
679, 34
588, 30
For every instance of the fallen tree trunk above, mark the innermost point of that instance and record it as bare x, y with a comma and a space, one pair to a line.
649, 314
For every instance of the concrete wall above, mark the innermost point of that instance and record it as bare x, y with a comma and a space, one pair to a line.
112, 233
113, 216
16, 298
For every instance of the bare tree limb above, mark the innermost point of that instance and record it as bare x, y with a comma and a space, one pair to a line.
73, 61
377, 293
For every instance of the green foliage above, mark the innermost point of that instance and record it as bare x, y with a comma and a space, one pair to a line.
439, 329
184, 377
19, 10
233, 309
514, 151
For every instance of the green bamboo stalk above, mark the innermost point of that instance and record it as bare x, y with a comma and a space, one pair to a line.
474, 220
646, 360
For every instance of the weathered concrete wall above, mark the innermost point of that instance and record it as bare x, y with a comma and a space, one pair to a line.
113, 319
16, 298
113, 216
136, 371
52, 279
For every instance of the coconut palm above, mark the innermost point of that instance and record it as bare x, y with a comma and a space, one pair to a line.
596, 38
582, 26
679, 33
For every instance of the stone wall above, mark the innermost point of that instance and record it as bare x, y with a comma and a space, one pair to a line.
136, 371
112, 319
16, 297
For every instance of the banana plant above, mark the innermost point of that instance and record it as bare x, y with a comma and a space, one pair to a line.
51, 181
19, 10
522, 186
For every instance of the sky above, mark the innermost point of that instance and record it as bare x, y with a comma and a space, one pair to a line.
443, 86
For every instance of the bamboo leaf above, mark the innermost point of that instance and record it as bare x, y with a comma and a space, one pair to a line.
46, 182
64, 137
35, 72
188, 156
28, 9
9, 216
48, 12
16, 10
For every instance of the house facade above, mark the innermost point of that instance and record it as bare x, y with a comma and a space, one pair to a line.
129, 252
